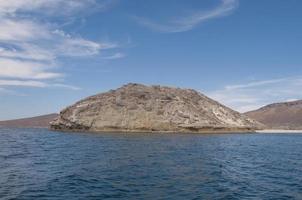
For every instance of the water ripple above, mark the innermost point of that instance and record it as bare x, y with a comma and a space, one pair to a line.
40, 164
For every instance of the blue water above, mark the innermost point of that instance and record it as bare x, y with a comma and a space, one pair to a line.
40, 164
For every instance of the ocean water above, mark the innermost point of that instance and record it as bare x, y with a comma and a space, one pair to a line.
40, 164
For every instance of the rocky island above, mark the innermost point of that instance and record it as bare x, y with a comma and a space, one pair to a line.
140, 108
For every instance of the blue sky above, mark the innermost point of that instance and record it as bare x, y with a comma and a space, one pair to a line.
242, 53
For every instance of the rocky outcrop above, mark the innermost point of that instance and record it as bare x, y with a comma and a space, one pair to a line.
287, 115
140, 108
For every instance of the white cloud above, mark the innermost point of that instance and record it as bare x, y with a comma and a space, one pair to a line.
29, 50
17, 30
252, 95
57, 44
77, 47
66, 45
25, 70
52, 7
30, 83
189, 22
22, 83
70, 87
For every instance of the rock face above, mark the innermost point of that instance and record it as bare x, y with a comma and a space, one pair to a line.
140, 108
33, 122
287, 116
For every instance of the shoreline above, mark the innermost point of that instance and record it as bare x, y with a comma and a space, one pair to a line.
278, 131
243, 131
182, 131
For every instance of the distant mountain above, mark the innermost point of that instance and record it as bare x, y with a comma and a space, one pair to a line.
33, 122
287, 115
140, 108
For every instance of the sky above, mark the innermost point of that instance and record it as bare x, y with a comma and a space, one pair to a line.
242, 53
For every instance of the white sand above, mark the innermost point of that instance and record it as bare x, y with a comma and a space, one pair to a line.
279, 131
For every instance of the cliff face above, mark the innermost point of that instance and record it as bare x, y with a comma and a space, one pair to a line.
136, 107
287, 116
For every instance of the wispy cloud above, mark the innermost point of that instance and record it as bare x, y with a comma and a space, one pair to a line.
13, 68
52, 7
255, 84
22, 83
30, 49
64, 86
66, 45
19, 30
187, 23
35, 84
252, 95
114, 56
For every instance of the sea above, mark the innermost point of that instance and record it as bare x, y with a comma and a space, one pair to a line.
42, 164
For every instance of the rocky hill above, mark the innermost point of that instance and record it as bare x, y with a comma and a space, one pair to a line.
33, 122
140, 108
287, 116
